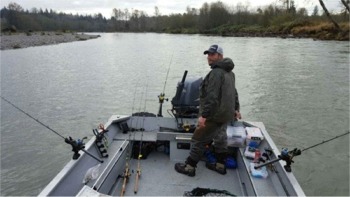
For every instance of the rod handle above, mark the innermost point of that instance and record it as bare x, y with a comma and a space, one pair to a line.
267, 163
99, 160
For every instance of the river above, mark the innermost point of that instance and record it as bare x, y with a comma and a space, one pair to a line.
299, 88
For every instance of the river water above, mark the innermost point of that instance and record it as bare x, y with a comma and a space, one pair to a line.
299, 88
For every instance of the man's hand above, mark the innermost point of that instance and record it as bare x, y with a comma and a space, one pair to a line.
237, 115
201, 122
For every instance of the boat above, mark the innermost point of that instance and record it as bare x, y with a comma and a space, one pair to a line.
135, 155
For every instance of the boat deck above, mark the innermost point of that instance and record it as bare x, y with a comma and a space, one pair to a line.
159, 178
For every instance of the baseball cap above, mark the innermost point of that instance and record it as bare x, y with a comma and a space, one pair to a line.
214, 49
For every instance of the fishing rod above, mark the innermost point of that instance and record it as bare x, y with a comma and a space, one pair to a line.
288, 155
162, 95
167, 74
133, 105
127, 174
77, 145
138, 171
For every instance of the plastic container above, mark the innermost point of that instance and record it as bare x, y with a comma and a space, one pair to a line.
249, 152
236, 136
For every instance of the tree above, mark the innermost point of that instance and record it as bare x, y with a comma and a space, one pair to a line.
143, 20
34, 10
15, 7
134, 20
286, 4
292, 8
315, 11
242, 13
156, 11
218, 14
126, 14
302, 12
189, 19
116, 14
204, 17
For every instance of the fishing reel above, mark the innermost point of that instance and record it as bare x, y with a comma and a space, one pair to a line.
187, 128
161, 98
77, 145
287, 156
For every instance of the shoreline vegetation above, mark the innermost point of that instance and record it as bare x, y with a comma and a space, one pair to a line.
316, 31
23, 28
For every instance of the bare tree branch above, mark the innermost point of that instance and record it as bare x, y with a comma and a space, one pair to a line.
346, 5
329, 16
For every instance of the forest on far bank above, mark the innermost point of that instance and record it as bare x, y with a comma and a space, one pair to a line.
282, 19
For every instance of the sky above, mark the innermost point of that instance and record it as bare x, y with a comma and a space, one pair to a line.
165, 7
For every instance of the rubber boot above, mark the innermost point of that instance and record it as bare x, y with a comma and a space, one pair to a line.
219, 166
187, 168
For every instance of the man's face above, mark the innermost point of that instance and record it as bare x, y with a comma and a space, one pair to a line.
213, 57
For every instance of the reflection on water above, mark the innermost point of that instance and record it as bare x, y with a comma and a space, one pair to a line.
298, 87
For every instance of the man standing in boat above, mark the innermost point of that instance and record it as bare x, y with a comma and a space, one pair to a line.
219, 104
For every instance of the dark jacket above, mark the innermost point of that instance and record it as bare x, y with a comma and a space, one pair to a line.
218, 94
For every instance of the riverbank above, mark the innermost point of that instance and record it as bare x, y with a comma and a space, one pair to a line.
30, 39
294, 29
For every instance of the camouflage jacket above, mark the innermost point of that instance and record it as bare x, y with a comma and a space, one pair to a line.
218, 94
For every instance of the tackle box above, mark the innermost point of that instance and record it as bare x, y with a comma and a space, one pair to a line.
254, 134
236, 136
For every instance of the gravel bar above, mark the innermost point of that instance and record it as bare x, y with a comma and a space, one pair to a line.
24, 40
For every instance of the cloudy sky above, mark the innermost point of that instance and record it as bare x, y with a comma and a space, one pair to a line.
166, 7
